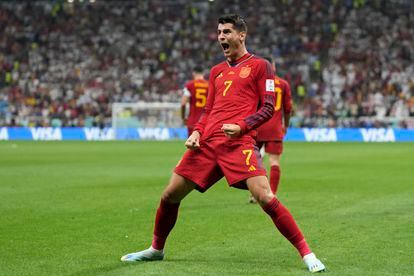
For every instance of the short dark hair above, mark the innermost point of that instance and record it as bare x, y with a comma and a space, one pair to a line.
198, 69
269, 59
238, 22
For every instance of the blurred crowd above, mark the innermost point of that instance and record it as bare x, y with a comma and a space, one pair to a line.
368, 77
349, 63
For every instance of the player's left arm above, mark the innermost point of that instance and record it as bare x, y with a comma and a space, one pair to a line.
287, 106
266, 90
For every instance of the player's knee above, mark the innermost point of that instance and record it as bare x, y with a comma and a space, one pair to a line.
274, 163
169, 197
264, 198
176, 189
274, 160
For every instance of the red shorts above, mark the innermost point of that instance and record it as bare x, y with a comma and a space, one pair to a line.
236, 160
272, 147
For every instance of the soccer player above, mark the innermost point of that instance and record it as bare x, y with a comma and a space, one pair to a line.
241, 98
194, 93
270, 134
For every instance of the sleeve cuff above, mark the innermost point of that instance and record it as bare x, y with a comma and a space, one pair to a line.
198, 130
242, 125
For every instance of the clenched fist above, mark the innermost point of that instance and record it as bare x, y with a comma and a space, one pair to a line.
193, 142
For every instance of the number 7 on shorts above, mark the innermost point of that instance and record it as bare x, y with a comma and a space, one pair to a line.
248, 153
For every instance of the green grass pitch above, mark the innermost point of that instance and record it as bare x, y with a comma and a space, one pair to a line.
74, 208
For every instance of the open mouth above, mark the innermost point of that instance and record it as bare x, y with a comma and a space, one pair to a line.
225, 46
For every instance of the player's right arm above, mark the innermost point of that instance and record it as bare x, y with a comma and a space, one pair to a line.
199, 126
184, 100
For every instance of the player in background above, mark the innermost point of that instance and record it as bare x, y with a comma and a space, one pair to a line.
241, 98
270, 134
194, 94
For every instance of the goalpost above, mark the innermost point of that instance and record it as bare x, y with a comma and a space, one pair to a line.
147, 120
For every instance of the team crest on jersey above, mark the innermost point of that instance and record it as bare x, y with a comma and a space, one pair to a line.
244, 72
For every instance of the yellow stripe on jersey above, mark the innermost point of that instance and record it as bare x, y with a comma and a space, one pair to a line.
201, 84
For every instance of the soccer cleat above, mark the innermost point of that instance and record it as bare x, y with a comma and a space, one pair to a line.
252, 199
146, 255
313, 263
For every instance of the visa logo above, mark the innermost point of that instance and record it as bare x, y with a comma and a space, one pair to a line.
46, 133
97, 134
320, 134
377, 134
153, 133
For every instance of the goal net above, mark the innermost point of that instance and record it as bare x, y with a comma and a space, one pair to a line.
147, 120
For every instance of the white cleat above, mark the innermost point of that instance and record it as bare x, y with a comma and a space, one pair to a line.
252, 200
149, 254
313, 263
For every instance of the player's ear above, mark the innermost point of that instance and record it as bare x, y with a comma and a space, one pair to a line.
242, 36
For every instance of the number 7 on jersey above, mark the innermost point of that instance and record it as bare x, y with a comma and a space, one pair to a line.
227, 84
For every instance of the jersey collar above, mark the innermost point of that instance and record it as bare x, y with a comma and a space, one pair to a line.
236, 63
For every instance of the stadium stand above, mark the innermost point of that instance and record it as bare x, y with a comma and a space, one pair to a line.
350, 63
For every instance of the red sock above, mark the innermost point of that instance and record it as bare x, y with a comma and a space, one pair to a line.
164, 222
287, 226
274, 178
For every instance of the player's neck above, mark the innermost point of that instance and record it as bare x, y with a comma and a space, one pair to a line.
237, 56
244, 57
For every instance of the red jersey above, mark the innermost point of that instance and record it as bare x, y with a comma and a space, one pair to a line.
196, 90
272, 130
239, 93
